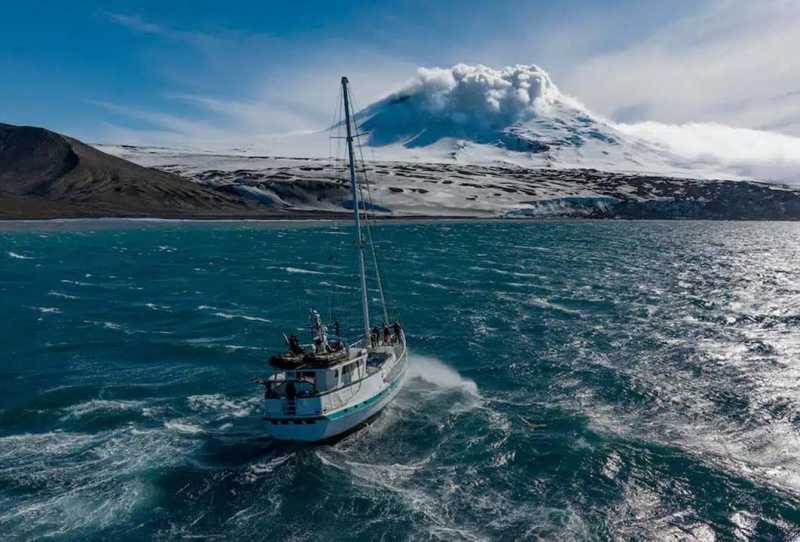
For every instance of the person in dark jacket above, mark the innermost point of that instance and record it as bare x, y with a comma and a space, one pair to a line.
397, 330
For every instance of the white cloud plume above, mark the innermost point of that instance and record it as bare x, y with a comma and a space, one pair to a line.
481, 95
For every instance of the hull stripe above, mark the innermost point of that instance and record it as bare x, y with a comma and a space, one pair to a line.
366, 403
358, 407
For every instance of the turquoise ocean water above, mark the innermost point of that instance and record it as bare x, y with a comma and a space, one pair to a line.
569, 380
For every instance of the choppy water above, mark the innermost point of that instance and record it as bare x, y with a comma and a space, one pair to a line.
570, 381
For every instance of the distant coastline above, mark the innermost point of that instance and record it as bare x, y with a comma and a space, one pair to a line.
47, 176
333, 217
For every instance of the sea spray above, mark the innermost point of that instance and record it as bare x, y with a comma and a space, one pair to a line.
436, 372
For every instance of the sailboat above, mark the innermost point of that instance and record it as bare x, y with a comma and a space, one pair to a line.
331, 386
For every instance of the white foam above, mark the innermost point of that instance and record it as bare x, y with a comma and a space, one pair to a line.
183, 427
99, 405
74, 482
402, 482
222, 405
18, 256
258, 470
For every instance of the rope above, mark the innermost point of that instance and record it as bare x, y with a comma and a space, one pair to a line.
379, 276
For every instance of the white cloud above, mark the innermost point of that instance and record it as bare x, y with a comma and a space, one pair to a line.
136, 23
749, 153
732, 62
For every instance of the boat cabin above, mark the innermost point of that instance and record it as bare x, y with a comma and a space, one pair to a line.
310, 380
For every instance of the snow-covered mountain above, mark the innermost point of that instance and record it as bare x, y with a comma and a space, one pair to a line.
517, 115
472, 140
475, 114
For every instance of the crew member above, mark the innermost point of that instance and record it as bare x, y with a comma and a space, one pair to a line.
294, 345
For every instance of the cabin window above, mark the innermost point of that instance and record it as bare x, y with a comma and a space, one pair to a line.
347, 376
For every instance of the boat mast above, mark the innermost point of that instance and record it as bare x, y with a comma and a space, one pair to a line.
356, 210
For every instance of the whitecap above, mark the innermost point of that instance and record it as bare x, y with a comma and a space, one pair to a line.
545, 304
235, 347
299, 270
62, 295
76, 282
229, 316
48, 310
19, 256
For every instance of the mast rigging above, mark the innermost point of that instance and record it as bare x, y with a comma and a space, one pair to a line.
356, 210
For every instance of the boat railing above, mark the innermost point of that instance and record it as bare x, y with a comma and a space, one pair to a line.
360, 342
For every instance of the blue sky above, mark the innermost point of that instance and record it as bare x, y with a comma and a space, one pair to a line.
166, 72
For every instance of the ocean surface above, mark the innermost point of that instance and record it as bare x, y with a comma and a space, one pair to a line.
569, 381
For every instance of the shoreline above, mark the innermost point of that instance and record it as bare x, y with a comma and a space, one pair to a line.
347, 217
303, 217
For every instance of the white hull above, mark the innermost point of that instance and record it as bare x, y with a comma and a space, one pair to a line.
356, 406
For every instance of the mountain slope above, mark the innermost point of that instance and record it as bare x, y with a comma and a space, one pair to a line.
310, 185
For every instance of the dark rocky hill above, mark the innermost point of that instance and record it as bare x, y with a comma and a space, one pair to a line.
44, 174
